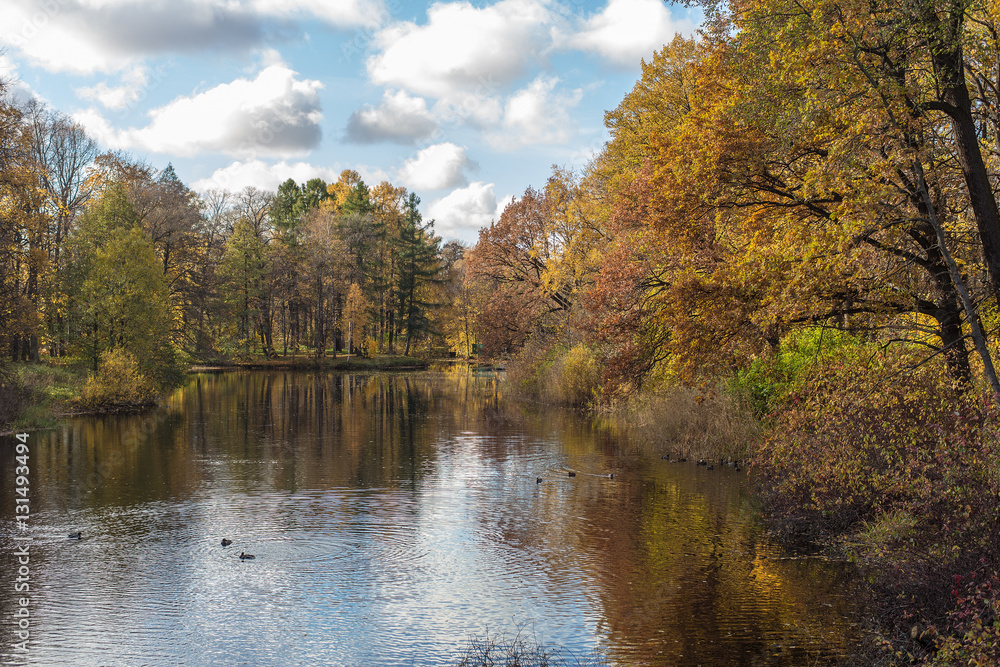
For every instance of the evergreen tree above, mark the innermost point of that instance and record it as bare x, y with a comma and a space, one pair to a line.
419, 265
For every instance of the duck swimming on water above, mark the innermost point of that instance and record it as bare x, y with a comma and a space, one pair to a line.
76, 536
244, 556
226, 542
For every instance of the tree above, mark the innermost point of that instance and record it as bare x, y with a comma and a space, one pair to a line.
244, 269
418, 267
62, 152
512, 260
23, 257
355, 314
126, 304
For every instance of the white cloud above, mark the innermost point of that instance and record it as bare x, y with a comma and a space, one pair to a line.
272, 115
399, 118
343, 13
85, 36
16, 89
265, 176
538, 114
129, 92
462, 48
463, 212
628, 30
436, 167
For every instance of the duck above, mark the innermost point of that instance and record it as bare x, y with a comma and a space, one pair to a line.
702, 462
572, 474
226, 542
76, 536
682, 460
538, 480
710, 468
244, 556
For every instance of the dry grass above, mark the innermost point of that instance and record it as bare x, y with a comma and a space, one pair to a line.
517, 651
691, 422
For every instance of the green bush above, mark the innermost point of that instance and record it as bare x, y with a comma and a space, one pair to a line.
119, 383
768, 380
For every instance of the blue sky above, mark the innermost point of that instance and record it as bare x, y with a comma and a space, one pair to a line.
465, 104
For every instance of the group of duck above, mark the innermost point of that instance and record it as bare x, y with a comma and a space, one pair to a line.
225, 542
732, 463
243, 555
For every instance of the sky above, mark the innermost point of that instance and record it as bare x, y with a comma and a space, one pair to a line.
465, 104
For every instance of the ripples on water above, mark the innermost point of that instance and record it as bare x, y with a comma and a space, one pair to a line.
393, 517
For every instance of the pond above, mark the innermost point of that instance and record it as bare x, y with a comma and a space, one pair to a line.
393, 517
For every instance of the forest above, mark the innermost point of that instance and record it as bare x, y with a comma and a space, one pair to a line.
795, 213
109, 261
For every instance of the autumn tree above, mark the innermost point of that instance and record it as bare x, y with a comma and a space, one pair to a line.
23, 225
355, 314
244, 271
62, 152
118, 290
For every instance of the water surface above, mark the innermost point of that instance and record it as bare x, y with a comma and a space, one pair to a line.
392, 517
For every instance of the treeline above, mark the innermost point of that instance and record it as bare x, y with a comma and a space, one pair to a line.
798, 208
100, 252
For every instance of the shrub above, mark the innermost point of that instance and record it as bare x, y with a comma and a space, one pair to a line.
972, 636
573, 378
769, 379
898, 463
518, 651
691, 421
119, 383
14, 397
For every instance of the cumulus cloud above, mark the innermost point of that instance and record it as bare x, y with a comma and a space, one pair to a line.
85, 36
537, 114
273, 114
128, 92
343, 13
462, 49
267, 176
436, 167
628, 30
463, 212
399, 118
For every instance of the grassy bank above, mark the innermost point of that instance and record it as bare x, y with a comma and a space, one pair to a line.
873, 455
34, 396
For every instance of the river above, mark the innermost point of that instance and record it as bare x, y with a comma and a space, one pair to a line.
392, 517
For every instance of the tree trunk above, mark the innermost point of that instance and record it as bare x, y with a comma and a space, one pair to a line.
946, 56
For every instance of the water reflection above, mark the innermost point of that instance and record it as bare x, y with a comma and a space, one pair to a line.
392, 517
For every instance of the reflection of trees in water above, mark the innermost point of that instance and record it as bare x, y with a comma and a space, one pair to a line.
661, 552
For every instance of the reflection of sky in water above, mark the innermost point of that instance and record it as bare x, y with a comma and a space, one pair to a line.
446, 535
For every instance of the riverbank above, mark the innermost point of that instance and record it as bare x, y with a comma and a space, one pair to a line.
35, 396
869, 455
